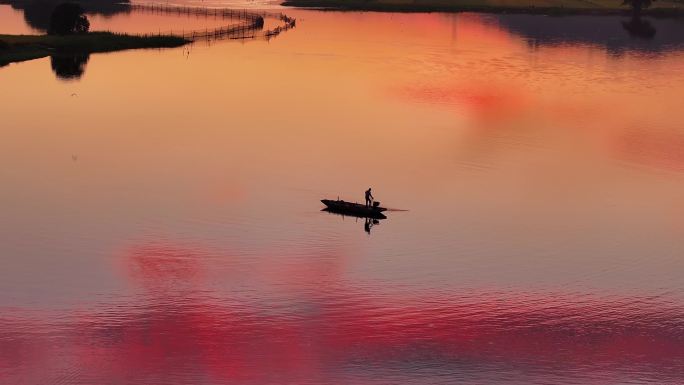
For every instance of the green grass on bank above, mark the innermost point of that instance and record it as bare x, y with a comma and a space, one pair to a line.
660, 7
15, 48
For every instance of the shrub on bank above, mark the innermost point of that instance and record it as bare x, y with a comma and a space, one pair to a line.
68, 19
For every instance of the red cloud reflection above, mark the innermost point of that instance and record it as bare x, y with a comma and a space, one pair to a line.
658, 149
162, 263
484, 101
335, 333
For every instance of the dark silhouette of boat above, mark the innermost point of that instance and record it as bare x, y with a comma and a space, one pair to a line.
355, 209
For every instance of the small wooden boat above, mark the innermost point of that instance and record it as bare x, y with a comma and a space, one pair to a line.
354, 209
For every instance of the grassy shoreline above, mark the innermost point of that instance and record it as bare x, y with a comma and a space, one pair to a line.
17, 48
662, 8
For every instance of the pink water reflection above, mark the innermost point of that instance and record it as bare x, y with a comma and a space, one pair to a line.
178, 329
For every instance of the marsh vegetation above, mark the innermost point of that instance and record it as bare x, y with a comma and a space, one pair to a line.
559, 7
16, 48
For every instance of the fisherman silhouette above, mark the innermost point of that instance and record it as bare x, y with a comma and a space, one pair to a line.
369, 197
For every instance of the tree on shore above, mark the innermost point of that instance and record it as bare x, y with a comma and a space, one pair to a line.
68, 19
638, 5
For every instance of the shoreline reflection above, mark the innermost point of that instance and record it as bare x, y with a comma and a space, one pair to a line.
611, 32
640, 28
69, 66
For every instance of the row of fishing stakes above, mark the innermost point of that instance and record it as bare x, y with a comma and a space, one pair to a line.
256, 21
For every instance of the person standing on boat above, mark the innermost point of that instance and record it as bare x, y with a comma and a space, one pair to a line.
369, 197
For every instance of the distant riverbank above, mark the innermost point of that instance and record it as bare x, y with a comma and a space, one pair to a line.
560, 7
17, 48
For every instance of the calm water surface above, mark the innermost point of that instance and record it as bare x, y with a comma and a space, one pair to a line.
161, 221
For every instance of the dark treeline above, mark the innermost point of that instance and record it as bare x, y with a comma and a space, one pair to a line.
37, 12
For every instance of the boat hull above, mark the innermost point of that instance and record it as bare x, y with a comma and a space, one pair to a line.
355, 215
354, 209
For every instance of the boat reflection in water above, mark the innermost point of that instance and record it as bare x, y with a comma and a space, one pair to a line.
370, 220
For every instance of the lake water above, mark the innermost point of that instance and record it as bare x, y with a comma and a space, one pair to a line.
161, 220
